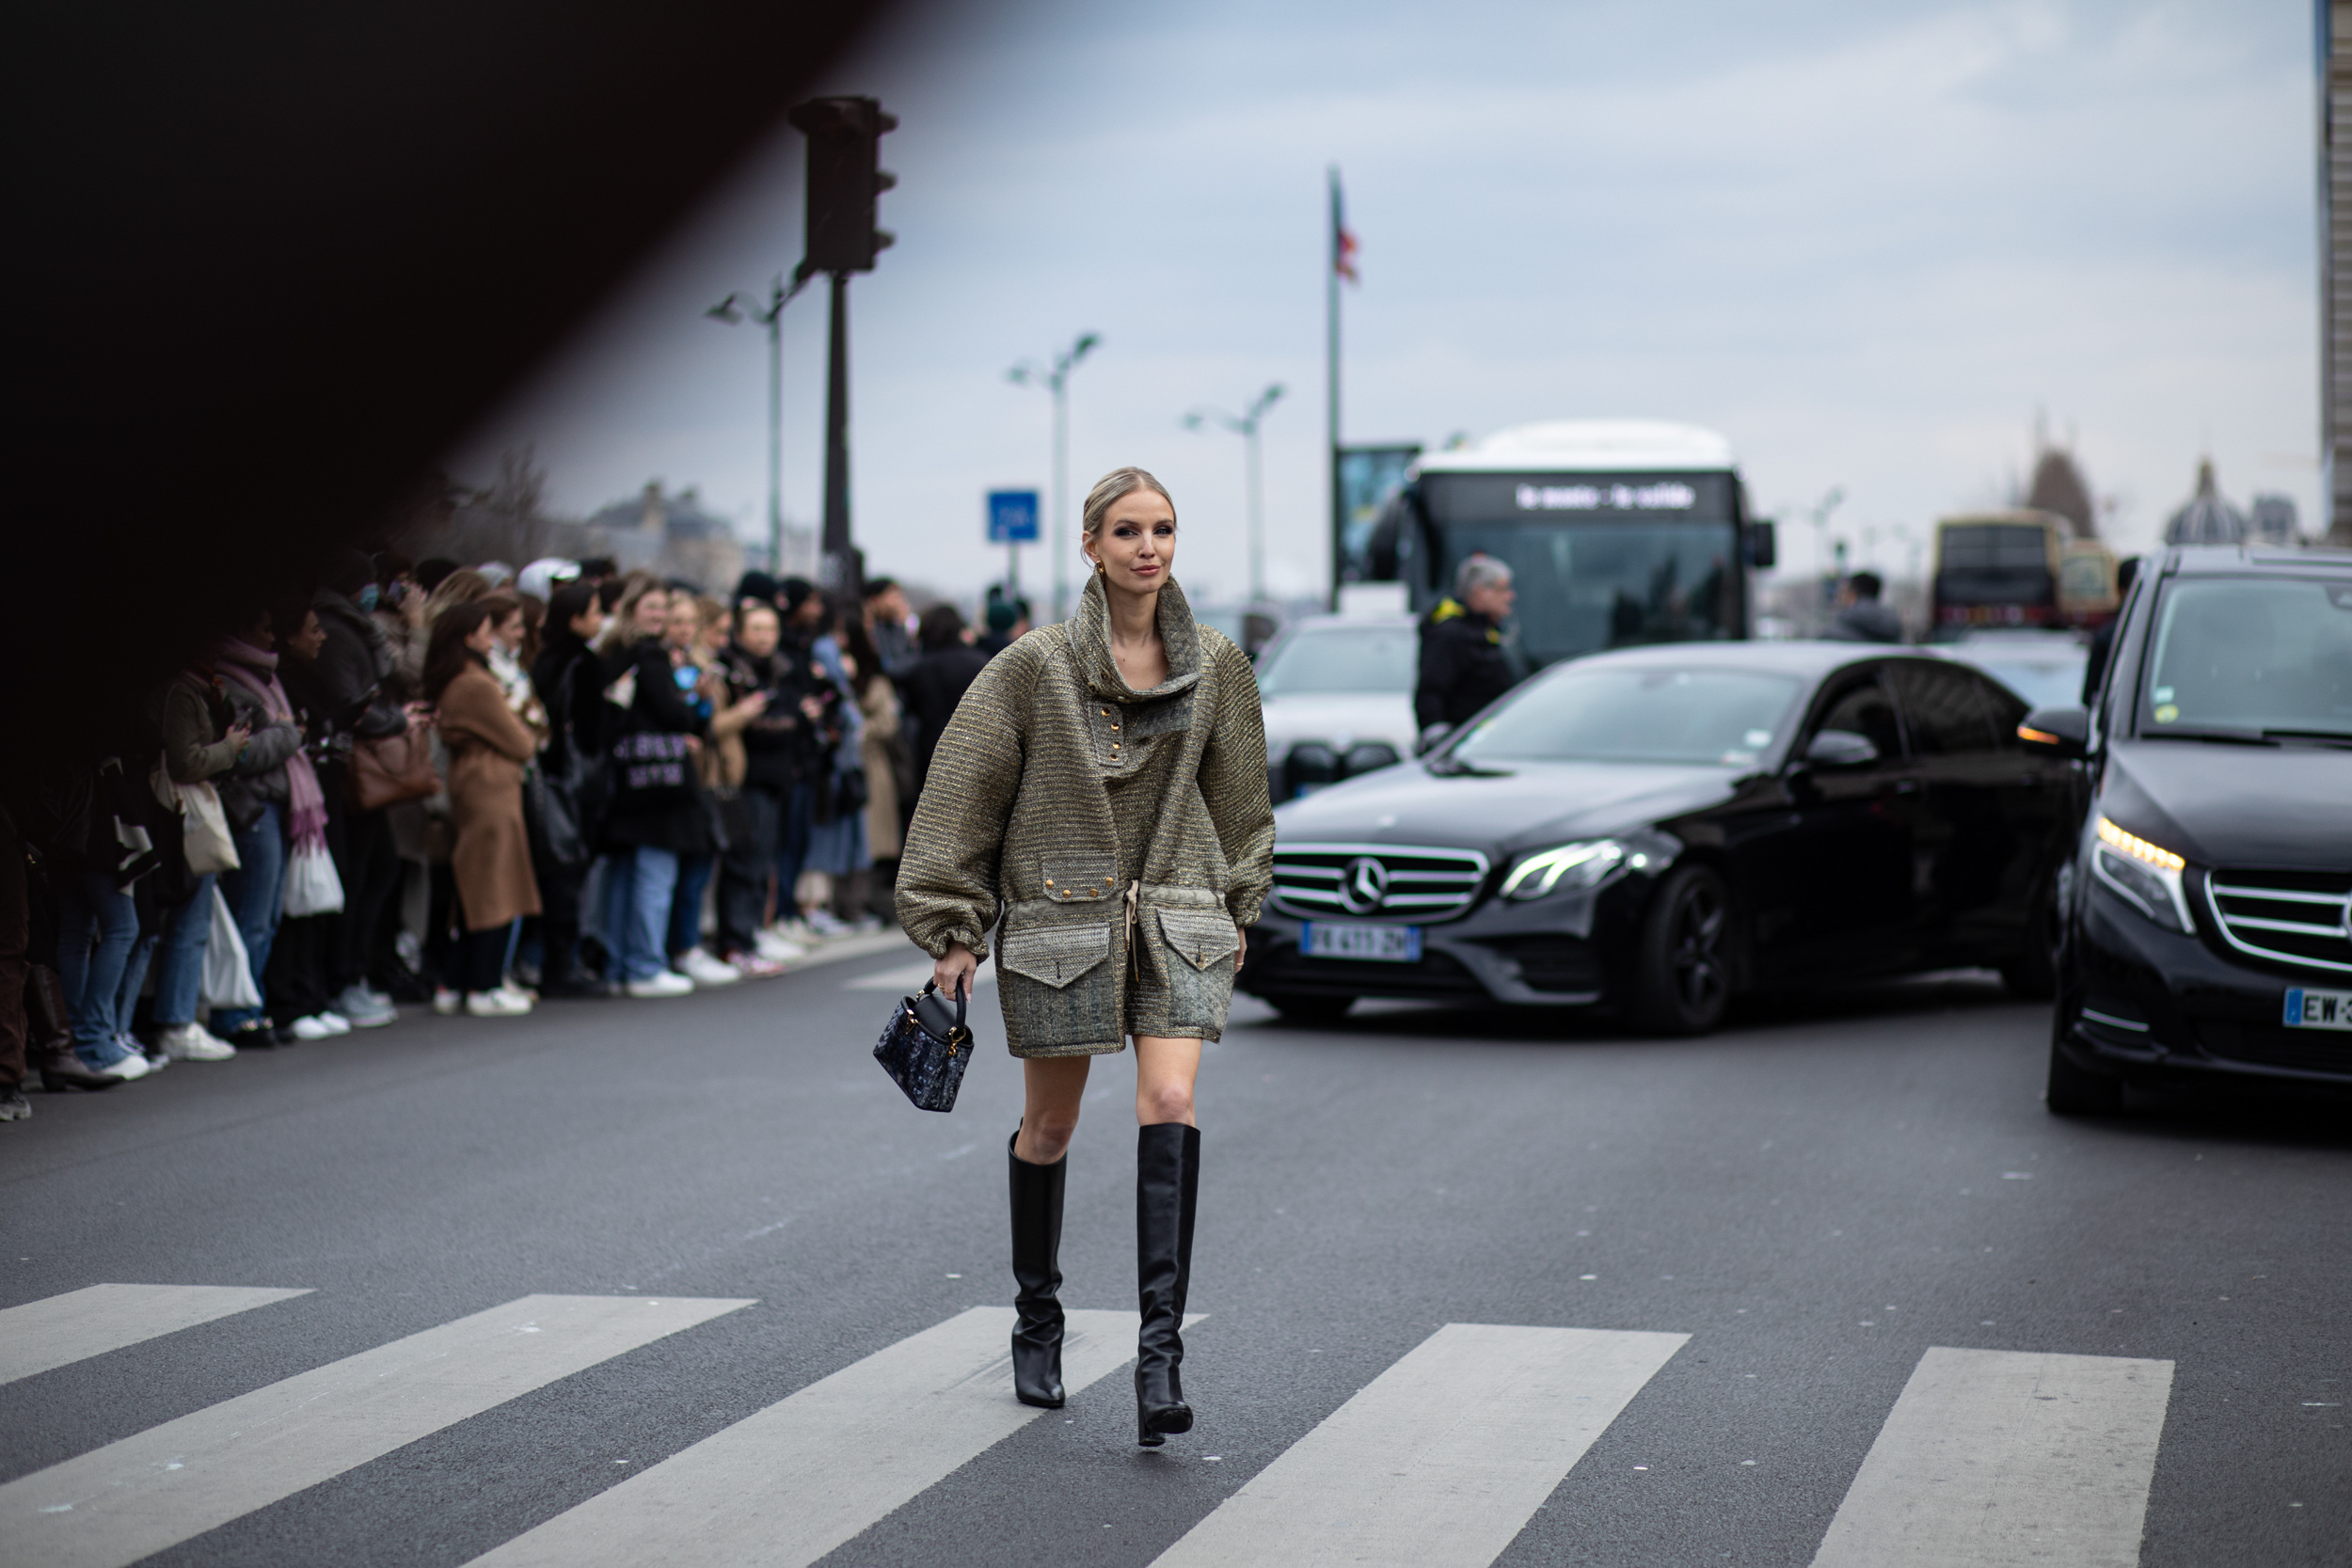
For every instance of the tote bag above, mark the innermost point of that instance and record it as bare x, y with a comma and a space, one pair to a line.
227, 967
205, 840
311, 885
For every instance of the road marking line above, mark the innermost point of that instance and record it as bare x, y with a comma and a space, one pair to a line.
910, 979
1439, 1461
60, 1330
789, 1485
170, 1483
1998, 1458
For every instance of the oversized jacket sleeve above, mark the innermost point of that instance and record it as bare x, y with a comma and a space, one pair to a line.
1234, 783
190, 751
947, 878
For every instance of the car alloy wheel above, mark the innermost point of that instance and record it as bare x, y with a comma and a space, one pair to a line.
1685, 973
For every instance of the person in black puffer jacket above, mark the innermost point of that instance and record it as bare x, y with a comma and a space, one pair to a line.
1463, 662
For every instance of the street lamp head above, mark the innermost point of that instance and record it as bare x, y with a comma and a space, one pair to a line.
1193, 419
1084, 347
725, 310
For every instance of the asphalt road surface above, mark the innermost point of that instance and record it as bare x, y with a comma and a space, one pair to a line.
688, 1281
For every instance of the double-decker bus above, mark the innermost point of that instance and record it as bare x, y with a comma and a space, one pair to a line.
1616, 533
2018, 568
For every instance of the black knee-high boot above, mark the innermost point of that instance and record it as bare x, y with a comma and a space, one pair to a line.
1036, 1271
1168, 1187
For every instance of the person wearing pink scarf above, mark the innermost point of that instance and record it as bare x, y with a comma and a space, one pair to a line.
271, 795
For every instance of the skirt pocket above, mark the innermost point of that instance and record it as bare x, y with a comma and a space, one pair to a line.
1060, 990
1197, 958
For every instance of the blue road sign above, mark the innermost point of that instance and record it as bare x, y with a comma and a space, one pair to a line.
1013, 516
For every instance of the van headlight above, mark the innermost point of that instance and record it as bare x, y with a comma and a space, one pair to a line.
2146, 875
1571, 867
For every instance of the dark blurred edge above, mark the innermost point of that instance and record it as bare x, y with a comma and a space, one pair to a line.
269, 261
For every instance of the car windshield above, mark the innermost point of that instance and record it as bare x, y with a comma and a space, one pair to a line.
2251, 655
1722, 717
1343, 659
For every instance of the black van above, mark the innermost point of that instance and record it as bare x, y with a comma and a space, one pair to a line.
2205, 918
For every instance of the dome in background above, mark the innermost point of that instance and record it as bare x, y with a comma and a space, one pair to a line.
2207, 519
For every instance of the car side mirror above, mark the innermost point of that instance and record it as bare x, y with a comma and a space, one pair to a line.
1839, 749
1763, 544
2065, 731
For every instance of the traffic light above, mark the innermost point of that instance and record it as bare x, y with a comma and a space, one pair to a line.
844, 136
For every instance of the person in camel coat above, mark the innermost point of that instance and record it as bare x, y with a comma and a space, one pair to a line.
488, 748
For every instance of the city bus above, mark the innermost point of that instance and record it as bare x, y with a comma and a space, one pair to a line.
1616, 533
2018, 568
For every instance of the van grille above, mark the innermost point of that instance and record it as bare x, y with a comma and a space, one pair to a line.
1327, 881
2302, 918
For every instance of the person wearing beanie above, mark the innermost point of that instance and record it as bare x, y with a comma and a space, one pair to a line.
756, 586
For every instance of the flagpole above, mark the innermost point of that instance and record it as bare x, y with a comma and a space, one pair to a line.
1331, 373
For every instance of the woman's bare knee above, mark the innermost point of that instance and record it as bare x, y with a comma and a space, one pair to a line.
1045, 1138
1163, 1102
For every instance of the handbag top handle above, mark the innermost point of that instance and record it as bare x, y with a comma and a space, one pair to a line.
962, 992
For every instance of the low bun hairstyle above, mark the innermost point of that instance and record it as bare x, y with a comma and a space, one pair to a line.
1107, 491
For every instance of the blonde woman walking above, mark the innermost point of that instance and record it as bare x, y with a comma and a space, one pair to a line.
1103, 788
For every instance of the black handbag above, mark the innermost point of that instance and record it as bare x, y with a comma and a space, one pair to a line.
925, 1051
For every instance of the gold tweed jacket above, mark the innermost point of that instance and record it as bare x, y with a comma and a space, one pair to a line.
1120, 836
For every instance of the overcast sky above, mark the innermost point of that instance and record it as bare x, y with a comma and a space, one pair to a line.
1866, 241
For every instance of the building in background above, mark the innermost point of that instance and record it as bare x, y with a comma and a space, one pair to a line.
2208, 518
2335, 265
672, 536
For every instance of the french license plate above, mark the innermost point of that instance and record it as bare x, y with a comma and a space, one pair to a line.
1394, 944
2318, 1009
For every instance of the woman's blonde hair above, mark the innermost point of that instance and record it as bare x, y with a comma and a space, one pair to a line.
1107, 491
621, 631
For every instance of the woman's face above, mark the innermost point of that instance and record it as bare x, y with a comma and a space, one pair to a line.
760, 632
509, 632
306, 642
1136, 547
485, 635
589, 622
653, 613
684, 623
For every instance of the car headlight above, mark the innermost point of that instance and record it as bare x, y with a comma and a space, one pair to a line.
1571, 866
2147, 875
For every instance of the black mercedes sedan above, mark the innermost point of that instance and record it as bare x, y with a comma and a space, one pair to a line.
2206, 930
1658, 829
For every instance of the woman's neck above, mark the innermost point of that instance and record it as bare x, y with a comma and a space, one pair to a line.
1134, 618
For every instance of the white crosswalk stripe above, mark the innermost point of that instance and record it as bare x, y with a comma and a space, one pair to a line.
1440, 1460
1998, 1458
1989, 1459
174, 1482
58, 1331
787, 1486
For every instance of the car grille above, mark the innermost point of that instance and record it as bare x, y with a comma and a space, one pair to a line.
1324, 881
2292, 918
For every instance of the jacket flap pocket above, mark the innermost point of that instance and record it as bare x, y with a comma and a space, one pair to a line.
1080, 878
1056, 955
1202, 935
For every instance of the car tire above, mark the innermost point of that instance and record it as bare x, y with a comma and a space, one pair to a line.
1682, 978
1298, 1008
2077, 1091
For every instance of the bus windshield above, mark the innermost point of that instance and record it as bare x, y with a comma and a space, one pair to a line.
1583, 587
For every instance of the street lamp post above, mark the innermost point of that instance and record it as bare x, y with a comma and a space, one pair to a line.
738, 307
1245, 426
1057, 381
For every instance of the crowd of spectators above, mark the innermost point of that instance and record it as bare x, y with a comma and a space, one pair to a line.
468, 788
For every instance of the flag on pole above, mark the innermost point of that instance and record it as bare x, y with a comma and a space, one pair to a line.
1342, 241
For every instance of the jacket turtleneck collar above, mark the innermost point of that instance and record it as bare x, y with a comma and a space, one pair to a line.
1090, 637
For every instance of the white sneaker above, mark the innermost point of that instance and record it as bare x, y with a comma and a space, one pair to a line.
335, 1021
497, 1003
131, 1068
446, 1002
514, 992
315, 1028
193, 1042
776, 947
824, 924
668, 983
703, 969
